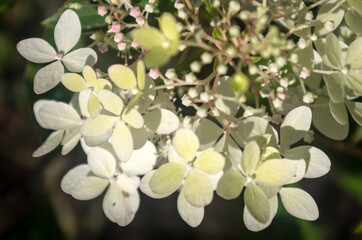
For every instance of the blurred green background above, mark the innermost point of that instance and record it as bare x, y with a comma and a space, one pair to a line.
32, 205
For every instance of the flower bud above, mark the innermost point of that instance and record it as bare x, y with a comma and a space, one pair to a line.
239, 82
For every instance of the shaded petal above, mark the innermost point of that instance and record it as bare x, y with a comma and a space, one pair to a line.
122, 76
76, 60
257, 203
48, 77
161, 121
146, 188
231, 184
49, 144
101, 162
167, 178
275, 173
198, 189
190, 214
210, 162
110, 101
122, 142
250, 158
97, 126
133, 118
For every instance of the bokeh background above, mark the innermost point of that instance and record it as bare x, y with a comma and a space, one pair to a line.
32, 205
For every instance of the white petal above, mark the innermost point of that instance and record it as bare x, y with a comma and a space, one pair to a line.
161, 121
141, 160
224, 88
67, 31
110, 101
318, 163
257, 203
89, 188
76, 60
83, 102
250, 158
36, 50
275, 172
174, 157
97, 126
198, 189
254, 225
59, 116
50, 143
295, 125
121, 201
190, 214
73, 177
101, 162
37, 105
48, 77
186, 143
122, 142
299, 203
70, 144
146, 188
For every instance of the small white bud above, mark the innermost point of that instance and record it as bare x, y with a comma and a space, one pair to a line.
186, 100
308, 98
149, 8
179, 5
181, 47
182, 14
304, 73
231, 51
313, 37
253, 69
206, 58
108, 19
309, 16
216, 3
195, 66
190, 77
234, 6
234, 31
205, 97
244, 15
193, 92
222, 69
329, 26
273, 68
201, 112
171, 74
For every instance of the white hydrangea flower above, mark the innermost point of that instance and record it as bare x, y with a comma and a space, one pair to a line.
121, 200
197, 175
66, 35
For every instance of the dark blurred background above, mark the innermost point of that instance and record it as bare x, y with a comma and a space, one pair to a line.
32, 205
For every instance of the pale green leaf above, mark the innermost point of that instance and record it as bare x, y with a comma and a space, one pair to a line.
335, 86
354, 55
167, 178
141, 75
231, 184
334, 51
190, 214
89, 75
339, 112
355, 108
157, 57
49, 144
122, 76
295, 125
110, 101
186, 143
254, 225
325, 122
356, 5
275, 172
250, 158
122, 142
74, 82
353, 21
168, 26
198, 189
257, 203
210, 162
133, 118
97, 126
148, 37
299, 203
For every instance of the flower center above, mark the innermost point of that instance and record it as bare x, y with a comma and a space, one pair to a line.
59, 55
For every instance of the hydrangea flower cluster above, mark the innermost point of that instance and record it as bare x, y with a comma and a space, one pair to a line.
232, 115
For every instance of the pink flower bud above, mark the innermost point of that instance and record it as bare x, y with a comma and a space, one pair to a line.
115, 28
135, 44
118, 37
135, 12
102, 11
121, 46
154, 73
140, 20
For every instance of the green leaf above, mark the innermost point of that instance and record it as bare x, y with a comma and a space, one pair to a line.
167, 178
250, 158
5, 4
356, 5
339, 112
149, 38
353, 20
257, 203
354, 55
157, 57
210, 162
325, 122
335, 86
141, 75
198, 189
231, 184
334, 51
168, 26
295, 125
355, 108
122, 76
323, 15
